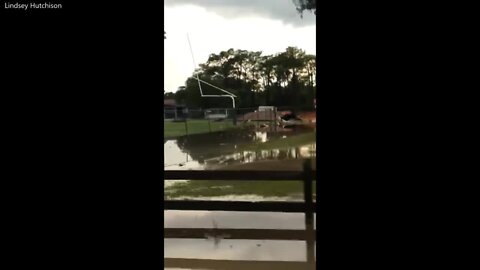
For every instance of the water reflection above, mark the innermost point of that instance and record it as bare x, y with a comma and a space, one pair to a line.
177, 159
301, 152
226, 150
234, 220
255, 250
216, 150
236, 250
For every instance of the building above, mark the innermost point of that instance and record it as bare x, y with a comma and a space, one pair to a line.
173, 111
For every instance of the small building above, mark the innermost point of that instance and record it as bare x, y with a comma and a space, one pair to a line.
169, 103
174, 111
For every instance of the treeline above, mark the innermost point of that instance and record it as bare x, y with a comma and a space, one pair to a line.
284, 79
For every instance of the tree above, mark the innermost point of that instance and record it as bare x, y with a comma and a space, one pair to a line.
168, 95
303, 5
181, 95
283, 79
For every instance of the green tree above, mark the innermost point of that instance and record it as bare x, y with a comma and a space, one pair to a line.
168, 95
181, 95
283, 79
303, 5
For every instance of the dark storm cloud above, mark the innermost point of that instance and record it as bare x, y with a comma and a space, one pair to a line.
283, 10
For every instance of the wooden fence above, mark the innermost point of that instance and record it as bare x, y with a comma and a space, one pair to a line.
308, 206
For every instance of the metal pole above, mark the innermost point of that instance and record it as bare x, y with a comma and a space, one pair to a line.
198, 80
194, 65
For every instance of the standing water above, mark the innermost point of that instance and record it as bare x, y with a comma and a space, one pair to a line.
247, 149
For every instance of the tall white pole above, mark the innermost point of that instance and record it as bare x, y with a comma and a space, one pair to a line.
232, 96
194, 65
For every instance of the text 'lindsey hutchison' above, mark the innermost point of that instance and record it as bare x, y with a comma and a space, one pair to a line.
26, 6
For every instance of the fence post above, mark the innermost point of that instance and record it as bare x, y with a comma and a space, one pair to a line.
308, 196
307, 188
271, 117
234, 114
186, 126
275, 118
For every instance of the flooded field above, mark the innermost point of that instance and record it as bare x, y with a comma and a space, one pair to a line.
246, 149
234, 220
218, 149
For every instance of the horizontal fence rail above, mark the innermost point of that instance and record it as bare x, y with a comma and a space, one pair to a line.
308, 206
262, 206
238, 175
306, 176
235, 265
250, 234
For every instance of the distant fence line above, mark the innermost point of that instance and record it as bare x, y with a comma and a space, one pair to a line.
215, 119
217, 113
184, 121
268, 112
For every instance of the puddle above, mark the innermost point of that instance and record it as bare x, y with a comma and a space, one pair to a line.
248, 149
234, 220
177, 158
213, 150
255, 250
277, 251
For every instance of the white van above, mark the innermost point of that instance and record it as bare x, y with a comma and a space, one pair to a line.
266, 108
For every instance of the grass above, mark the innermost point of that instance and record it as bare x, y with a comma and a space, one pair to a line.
176, 129
210, 188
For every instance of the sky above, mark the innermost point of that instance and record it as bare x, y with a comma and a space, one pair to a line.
213, 26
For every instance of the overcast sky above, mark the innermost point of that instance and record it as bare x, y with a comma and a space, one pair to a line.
217, 25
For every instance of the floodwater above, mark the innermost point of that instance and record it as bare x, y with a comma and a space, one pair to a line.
248, 149
232, 150
222, 150
274, 251
234, 220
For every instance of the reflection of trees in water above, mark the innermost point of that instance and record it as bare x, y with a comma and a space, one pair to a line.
262, 155
209, 145
220, 147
